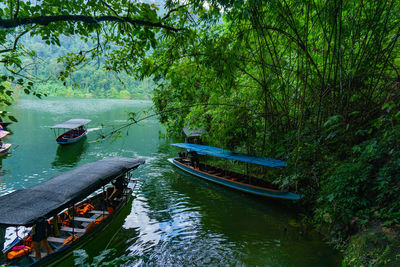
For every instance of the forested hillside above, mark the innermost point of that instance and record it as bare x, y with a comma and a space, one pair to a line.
89, 80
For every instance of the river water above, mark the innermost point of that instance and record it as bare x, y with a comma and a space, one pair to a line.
176, 219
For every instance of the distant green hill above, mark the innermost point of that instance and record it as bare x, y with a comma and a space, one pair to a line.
89, 81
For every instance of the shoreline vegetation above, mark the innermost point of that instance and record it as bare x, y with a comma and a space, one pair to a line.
71, 93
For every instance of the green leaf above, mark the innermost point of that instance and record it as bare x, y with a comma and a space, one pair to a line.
80, 257
12, 118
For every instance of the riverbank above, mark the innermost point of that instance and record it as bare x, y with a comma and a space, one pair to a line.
351, 182
349, 176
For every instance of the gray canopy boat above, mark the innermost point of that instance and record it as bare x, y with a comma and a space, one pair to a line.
75, 131
73, 205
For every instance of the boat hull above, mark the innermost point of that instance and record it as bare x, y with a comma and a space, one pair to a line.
61, 255
63, 140
4, 148
254, 190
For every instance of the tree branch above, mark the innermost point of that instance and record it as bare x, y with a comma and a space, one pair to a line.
173, 10
45, 20
168, 110
107, 5
15, 41
16, 12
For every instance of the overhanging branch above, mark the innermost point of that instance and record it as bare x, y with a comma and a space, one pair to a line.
168, 110
45, 20
15, 42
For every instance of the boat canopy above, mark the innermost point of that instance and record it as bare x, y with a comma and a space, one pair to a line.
26, 206
3, 133
227, 154
193, 132
71, 124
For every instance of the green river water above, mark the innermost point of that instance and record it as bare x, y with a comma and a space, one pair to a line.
176, 219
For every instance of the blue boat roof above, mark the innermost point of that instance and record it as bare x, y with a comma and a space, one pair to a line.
227, 154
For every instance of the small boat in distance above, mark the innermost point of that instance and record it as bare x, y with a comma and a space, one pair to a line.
241, 182
4, 147
76, 130
71, 205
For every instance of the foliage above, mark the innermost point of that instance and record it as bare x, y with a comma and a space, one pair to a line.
90, 80
378, 247
120, 33
276, 78
312, 82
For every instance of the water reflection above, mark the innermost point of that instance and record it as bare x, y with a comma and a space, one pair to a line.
70, 155
181, 220
2, 173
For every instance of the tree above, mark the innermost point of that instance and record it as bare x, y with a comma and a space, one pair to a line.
315, 83
121, 31
124, 94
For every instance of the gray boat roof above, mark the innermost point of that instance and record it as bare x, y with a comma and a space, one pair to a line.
27, 206
71, 124
193, 132
3, 133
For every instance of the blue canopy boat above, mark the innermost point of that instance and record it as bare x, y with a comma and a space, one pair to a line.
228, 178
76, 130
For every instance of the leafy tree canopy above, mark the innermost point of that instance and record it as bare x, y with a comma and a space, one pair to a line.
121, 32
314, 82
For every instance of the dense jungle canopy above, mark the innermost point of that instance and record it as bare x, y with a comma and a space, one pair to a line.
313, 82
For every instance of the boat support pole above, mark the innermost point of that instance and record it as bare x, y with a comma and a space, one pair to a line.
73, 221
55, 225
104, 201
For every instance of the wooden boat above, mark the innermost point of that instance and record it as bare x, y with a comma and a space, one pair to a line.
71, 203
232, 179
76, 130
4, 147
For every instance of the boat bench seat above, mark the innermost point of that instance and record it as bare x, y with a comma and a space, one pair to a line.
98, 212
56, 239
75, 230
83, 219
42, 253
